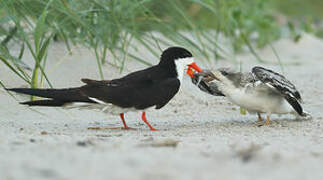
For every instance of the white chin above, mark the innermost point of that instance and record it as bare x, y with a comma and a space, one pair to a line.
181, 65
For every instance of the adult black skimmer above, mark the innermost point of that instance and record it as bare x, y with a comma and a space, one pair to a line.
151, 87
259, 91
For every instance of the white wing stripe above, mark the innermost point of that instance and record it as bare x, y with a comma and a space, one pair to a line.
97, 100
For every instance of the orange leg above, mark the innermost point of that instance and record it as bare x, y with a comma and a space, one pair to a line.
123, 121
259, 118
145, 120
267, 120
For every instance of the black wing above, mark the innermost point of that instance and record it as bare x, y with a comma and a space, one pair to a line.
141, 89
138, 94
281, 84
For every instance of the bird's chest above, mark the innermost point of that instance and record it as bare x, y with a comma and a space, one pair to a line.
259, 101
251, 101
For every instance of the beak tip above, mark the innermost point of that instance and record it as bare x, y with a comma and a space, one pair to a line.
196, 67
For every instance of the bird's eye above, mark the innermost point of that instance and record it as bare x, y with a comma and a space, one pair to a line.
224, 73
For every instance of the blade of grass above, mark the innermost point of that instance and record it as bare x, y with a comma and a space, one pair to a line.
125, 45
252, 50
189, 22
278, 58
13, 69
4, 87
38, 65
135, 57
97, 57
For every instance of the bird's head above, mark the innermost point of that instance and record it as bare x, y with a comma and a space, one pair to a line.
228, 77
180, 60
223, 76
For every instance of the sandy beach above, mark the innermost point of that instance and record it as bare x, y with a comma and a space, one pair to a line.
201, 137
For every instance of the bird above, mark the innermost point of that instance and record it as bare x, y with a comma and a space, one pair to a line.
259, 91
154, 87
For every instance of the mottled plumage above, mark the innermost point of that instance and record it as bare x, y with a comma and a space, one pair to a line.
259, 91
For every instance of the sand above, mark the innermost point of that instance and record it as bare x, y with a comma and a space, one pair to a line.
201, 137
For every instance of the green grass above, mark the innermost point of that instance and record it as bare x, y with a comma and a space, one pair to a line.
302, 16
114, 25
300, 9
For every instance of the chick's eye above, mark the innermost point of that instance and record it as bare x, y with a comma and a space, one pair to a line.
224, 73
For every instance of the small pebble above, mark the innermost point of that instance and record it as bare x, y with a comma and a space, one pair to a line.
81, 143
44, 133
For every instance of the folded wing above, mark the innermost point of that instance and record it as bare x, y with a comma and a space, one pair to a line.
282, 85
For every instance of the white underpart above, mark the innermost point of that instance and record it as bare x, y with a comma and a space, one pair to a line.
259, 98
105, 108
100, 106
181, 66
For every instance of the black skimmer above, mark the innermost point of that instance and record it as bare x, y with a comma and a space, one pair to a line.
259, 91
151, 87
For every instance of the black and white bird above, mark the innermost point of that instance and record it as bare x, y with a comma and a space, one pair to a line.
137, 91
259, 91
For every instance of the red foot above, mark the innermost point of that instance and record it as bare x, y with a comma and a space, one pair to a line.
145, 120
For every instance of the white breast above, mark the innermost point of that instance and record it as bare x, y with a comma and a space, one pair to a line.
259, 101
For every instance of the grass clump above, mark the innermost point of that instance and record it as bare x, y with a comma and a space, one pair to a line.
114, 25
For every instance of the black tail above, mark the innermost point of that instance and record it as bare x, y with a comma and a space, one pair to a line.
295, 104
57, 97
46, 102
